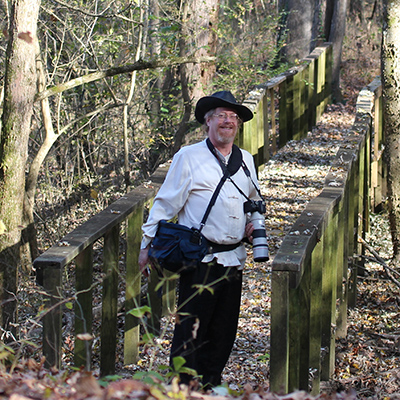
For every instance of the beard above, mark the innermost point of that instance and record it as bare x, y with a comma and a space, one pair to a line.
226, 139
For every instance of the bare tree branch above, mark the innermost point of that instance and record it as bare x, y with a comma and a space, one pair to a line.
102, 15
137, 66
389, 271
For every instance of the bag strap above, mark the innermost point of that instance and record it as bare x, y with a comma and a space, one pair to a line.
235, 162
213, 199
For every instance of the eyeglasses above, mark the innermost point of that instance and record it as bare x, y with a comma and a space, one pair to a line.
224, 116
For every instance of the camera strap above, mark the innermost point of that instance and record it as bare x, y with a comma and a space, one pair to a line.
235, 162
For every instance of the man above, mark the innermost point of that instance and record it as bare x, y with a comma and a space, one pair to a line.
206, 321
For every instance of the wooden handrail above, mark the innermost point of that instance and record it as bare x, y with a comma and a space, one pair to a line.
311, 287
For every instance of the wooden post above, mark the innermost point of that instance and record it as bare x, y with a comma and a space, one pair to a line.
155, 302
303, 101
133, 285
354, 194
273, 121
290, 94
296, 118
284, 115
279, 353
320, 87
110, 300
328, 50
328, 308
315, 316
265, 154
299, 332
312, 94
83, 307
52, 320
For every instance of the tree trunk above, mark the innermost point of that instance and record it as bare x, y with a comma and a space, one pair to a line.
297, 28
19, 92
130, 97
391, 115
198, 38
29, 248
336, 35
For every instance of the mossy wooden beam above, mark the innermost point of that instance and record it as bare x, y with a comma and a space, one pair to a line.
110, 302
83, 308
132, 286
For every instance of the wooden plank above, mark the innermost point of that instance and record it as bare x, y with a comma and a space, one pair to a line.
315, 316
319, 85
342, 270
52, 319
303, 103
110, 302
328, 49
290, 94
133, 286
273, 121
304, 327
283, 136
262, 129
265, 156
311, 78
154, 297
295, 324
296, 118
299, 332
253, 130
279, 353
328, 306
353, 233
83, 307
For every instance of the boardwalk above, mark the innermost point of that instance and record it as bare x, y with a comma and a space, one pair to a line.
292, 177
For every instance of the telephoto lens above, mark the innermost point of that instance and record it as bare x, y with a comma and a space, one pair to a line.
260, 245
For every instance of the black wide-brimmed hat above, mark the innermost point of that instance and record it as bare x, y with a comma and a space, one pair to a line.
221, 99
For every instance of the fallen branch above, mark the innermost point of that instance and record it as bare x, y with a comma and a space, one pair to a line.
388, 270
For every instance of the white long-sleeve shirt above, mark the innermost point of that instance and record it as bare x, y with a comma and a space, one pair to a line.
190, 182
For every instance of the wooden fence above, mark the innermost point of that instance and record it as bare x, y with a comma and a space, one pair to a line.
314, 273
285, 108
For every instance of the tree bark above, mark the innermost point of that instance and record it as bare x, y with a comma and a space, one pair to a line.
19, 92
298, 18
336, 35
391, 115
198, 38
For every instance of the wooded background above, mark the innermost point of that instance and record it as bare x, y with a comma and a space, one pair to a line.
95, 95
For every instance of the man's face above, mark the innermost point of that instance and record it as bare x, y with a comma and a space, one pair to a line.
223, 125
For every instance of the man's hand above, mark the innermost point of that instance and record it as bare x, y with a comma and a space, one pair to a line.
144, 261
249, 231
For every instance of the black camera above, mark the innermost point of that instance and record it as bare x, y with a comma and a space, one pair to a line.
260, 244
254, 206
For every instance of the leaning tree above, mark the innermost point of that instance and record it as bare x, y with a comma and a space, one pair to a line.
391, 113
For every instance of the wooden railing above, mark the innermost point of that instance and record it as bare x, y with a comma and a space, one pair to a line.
298, 97
314, 273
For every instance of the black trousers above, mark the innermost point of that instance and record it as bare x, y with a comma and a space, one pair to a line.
207, 319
